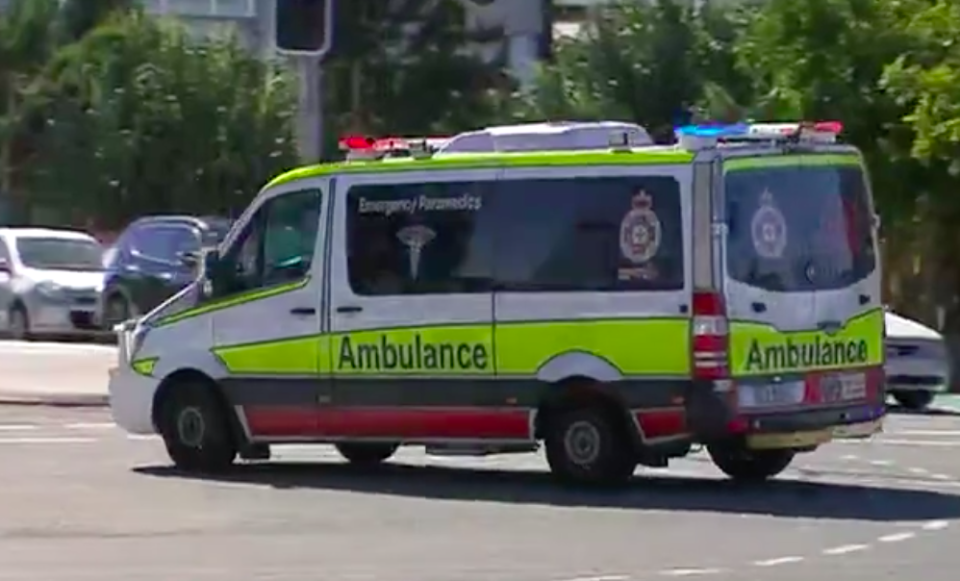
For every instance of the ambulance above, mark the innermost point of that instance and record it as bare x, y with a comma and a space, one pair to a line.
570, 285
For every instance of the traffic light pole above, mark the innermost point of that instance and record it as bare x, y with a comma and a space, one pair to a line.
310, 113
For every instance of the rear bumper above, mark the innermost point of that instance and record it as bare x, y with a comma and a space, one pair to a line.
712, 418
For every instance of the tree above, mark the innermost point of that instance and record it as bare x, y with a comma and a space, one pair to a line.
78, 17
154, 122
650, 61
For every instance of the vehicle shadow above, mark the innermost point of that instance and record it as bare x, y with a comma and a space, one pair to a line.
780, 498
933, 410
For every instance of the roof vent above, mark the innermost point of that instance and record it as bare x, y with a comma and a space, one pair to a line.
551, 136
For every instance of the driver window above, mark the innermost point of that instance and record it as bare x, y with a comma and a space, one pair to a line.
278, 243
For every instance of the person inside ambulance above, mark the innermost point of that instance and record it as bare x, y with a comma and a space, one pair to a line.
289, 244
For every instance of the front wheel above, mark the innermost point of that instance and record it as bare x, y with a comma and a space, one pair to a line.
914, 400
587, 446
18, 323
750, 465
366, 454
196, 430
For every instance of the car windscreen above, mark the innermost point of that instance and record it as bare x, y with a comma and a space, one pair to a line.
215, 232
60, 253
799, 227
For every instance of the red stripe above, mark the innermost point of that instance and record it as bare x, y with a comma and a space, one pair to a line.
435, 423
662, 423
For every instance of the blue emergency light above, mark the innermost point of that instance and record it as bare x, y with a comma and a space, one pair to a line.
713, 130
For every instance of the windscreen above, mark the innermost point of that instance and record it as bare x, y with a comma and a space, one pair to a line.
60, 253
798, 227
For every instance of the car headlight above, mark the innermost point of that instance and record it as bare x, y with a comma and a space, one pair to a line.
50, 290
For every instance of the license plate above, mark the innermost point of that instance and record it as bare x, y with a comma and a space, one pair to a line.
790, 440
839, 387
771, 394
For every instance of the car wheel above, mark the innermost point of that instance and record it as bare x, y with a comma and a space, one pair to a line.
366, 454
589, 447
914, 400
18, 323
196, 429
749, 465
116, 310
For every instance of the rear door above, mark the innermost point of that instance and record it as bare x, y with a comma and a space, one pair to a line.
800, 264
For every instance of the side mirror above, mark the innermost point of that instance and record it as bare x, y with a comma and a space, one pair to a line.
215, 278
5, 266
190, 259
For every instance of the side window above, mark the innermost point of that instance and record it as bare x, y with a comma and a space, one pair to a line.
277, 244
4, 251
426, 238
589, 234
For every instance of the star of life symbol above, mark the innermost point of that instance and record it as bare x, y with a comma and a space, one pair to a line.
640, 230
768, 228
415, 238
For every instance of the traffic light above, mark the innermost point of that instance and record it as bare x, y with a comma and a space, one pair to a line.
304, 26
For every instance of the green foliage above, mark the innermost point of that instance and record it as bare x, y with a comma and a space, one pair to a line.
156, 122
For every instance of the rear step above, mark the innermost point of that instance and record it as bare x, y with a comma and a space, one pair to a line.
480, 449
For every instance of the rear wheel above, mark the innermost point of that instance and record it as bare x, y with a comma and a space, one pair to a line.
746, 465
914, 400
196, 429
366, 454
588, 446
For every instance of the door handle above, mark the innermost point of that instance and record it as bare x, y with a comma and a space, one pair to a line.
758, 307
864, 299
303, 311
349, 309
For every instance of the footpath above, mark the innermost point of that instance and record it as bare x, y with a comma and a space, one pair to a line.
75, 375
64, 374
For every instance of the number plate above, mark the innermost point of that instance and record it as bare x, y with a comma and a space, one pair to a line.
791, 440
771, 394
839, 387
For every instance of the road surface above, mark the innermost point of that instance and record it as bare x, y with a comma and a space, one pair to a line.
81, 500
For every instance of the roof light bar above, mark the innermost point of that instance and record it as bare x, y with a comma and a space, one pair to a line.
362, 147
700, 136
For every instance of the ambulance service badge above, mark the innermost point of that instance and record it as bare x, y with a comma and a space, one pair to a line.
640, 236
768, 228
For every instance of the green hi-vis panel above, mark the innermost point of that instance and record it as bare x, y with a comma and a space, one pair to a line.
768, 161
295, 356
654, 347
759, 349
428, 350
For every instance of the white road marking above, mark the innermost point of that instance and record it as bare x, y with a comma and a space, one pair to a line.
941, 477
897, 537
918, 443
601, 578
928, 433
935, 525
845, 549
850, 457
881, 462
689, 572
918, 470
47, 440
777, 561
17, 427
142, 436
91, 426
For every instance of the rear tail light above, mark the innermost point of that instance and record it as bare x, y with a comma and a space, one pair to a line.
710, 336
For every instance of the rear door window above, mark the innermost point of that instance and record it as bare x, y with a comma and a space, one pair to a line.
601, 234
800, 227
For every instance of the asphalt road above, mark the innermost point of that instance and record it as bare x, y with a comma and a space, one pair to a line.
81, 500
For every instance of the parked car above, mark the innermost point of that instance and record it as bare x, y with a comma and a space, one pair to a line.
50, 282
918, 364
149, 263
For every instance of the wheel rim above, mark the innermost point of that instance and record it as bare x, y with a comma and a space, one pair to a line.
582, 443
191, 427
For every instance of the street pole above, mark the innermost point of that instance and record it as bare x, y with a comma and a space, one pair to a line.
310, 125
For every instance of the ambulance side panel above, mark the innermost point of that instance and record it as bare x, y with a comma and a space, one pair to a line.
619, 317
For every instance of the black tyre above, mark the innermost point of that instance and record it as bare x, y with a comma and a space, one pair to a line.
750, 465
914, 400
116, 310
365, 453
18, 323
589, 447
196, 429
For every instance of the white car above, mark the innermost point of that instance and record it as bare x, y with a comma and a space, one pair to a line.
918, 366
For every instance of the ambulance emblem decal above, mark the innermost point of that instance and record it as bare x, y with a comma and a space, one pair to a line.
640, 230
415, 237
768, 228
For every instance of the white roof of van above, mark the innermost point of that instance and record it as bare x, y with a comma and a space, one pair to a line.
553, 136
45, 233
